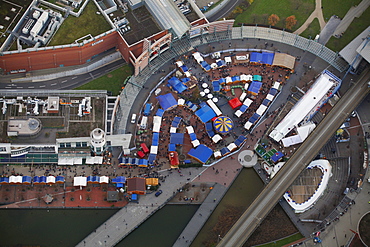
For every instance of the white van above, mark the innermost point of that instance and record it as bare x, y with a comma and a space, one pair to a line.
133, 118
143, 122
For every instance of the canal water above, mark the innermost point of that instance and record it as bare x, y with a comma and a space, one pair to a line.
240, 195
163, 228
49, 227
67, 227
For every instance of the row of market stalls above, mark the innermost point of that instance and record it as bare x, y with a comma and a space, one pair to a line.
282, 60
136, 185
32, 180
263, 107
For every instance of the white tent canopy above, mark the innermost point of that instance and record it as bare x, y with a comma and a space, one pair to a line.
247, 102
157, 123
50, 180
232, 146
79, 181
216, 138
104, 180
154, 149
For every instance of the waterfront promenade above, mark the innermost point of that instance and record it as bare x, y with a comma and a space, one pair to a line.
131, 216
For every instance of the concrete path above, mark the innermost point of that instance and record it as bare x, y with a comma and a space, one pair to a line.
317, 13
201, 216
350, 16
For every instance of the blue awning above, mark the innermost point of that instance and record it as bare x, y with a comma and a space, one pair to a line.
167, 101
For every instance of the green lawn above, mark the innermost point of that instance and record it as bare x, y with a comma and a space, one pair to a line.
337, 7
312, 29
73, 28
111, 82
357, 26
260, 10
283, 241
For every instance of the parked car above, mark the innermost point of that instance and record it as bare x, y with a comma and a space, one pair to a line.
133, 118
158, 193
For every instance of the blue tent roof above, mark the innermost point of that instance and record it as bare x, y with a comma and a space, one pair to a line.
211, 133
216, 86
205, 113
176, 121
224, 151
89, 178
193, 136
192, 106
119, 179
201, 153
264, 57
205, 65
152, 158
171, 147
273, 91
134, 161
209, 126
134, 197
36, 179
254, 118
42, 179
177, 85
255, 87
177, 138
184, 68
155, 139
185, 79
159, 112
4, 180
26, 179
240, 140
221, 63
143, 162
167, 101
222, 80
147, 108
266, 102
243, 108
235, 78
59, 179
278, 155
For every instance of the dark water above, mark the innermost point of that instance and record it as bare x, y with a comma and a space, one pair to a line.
241, 194
67, 227
49, 227
162, 229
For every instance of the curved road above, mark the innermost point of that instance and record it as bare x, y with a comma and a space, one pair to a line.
225, 10
272, 193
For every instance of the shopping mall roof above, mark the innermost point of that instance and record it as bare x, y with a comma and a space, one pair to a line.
357, 46
168, 16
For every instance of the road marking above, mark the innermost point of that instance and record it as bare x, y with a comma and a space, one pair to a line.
42, 86
74, 77
19, 87
31, 87
64, 81
8, 87
53, 84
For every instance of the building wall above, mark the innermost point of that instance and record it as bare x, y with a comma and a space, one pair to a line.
62, 56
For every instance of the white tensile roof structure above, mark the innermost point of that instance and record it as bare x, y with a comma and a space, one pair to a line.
303, 107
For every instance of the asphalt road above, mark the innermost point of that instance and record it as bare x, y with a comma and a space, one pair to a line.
273, 192
224, 11
68, 82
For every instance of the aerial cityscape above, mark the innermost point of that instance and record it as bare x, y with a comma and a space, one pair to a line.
192, 123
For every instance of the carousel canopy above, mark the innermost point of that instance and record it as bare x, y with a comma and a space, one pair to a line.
223, 124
